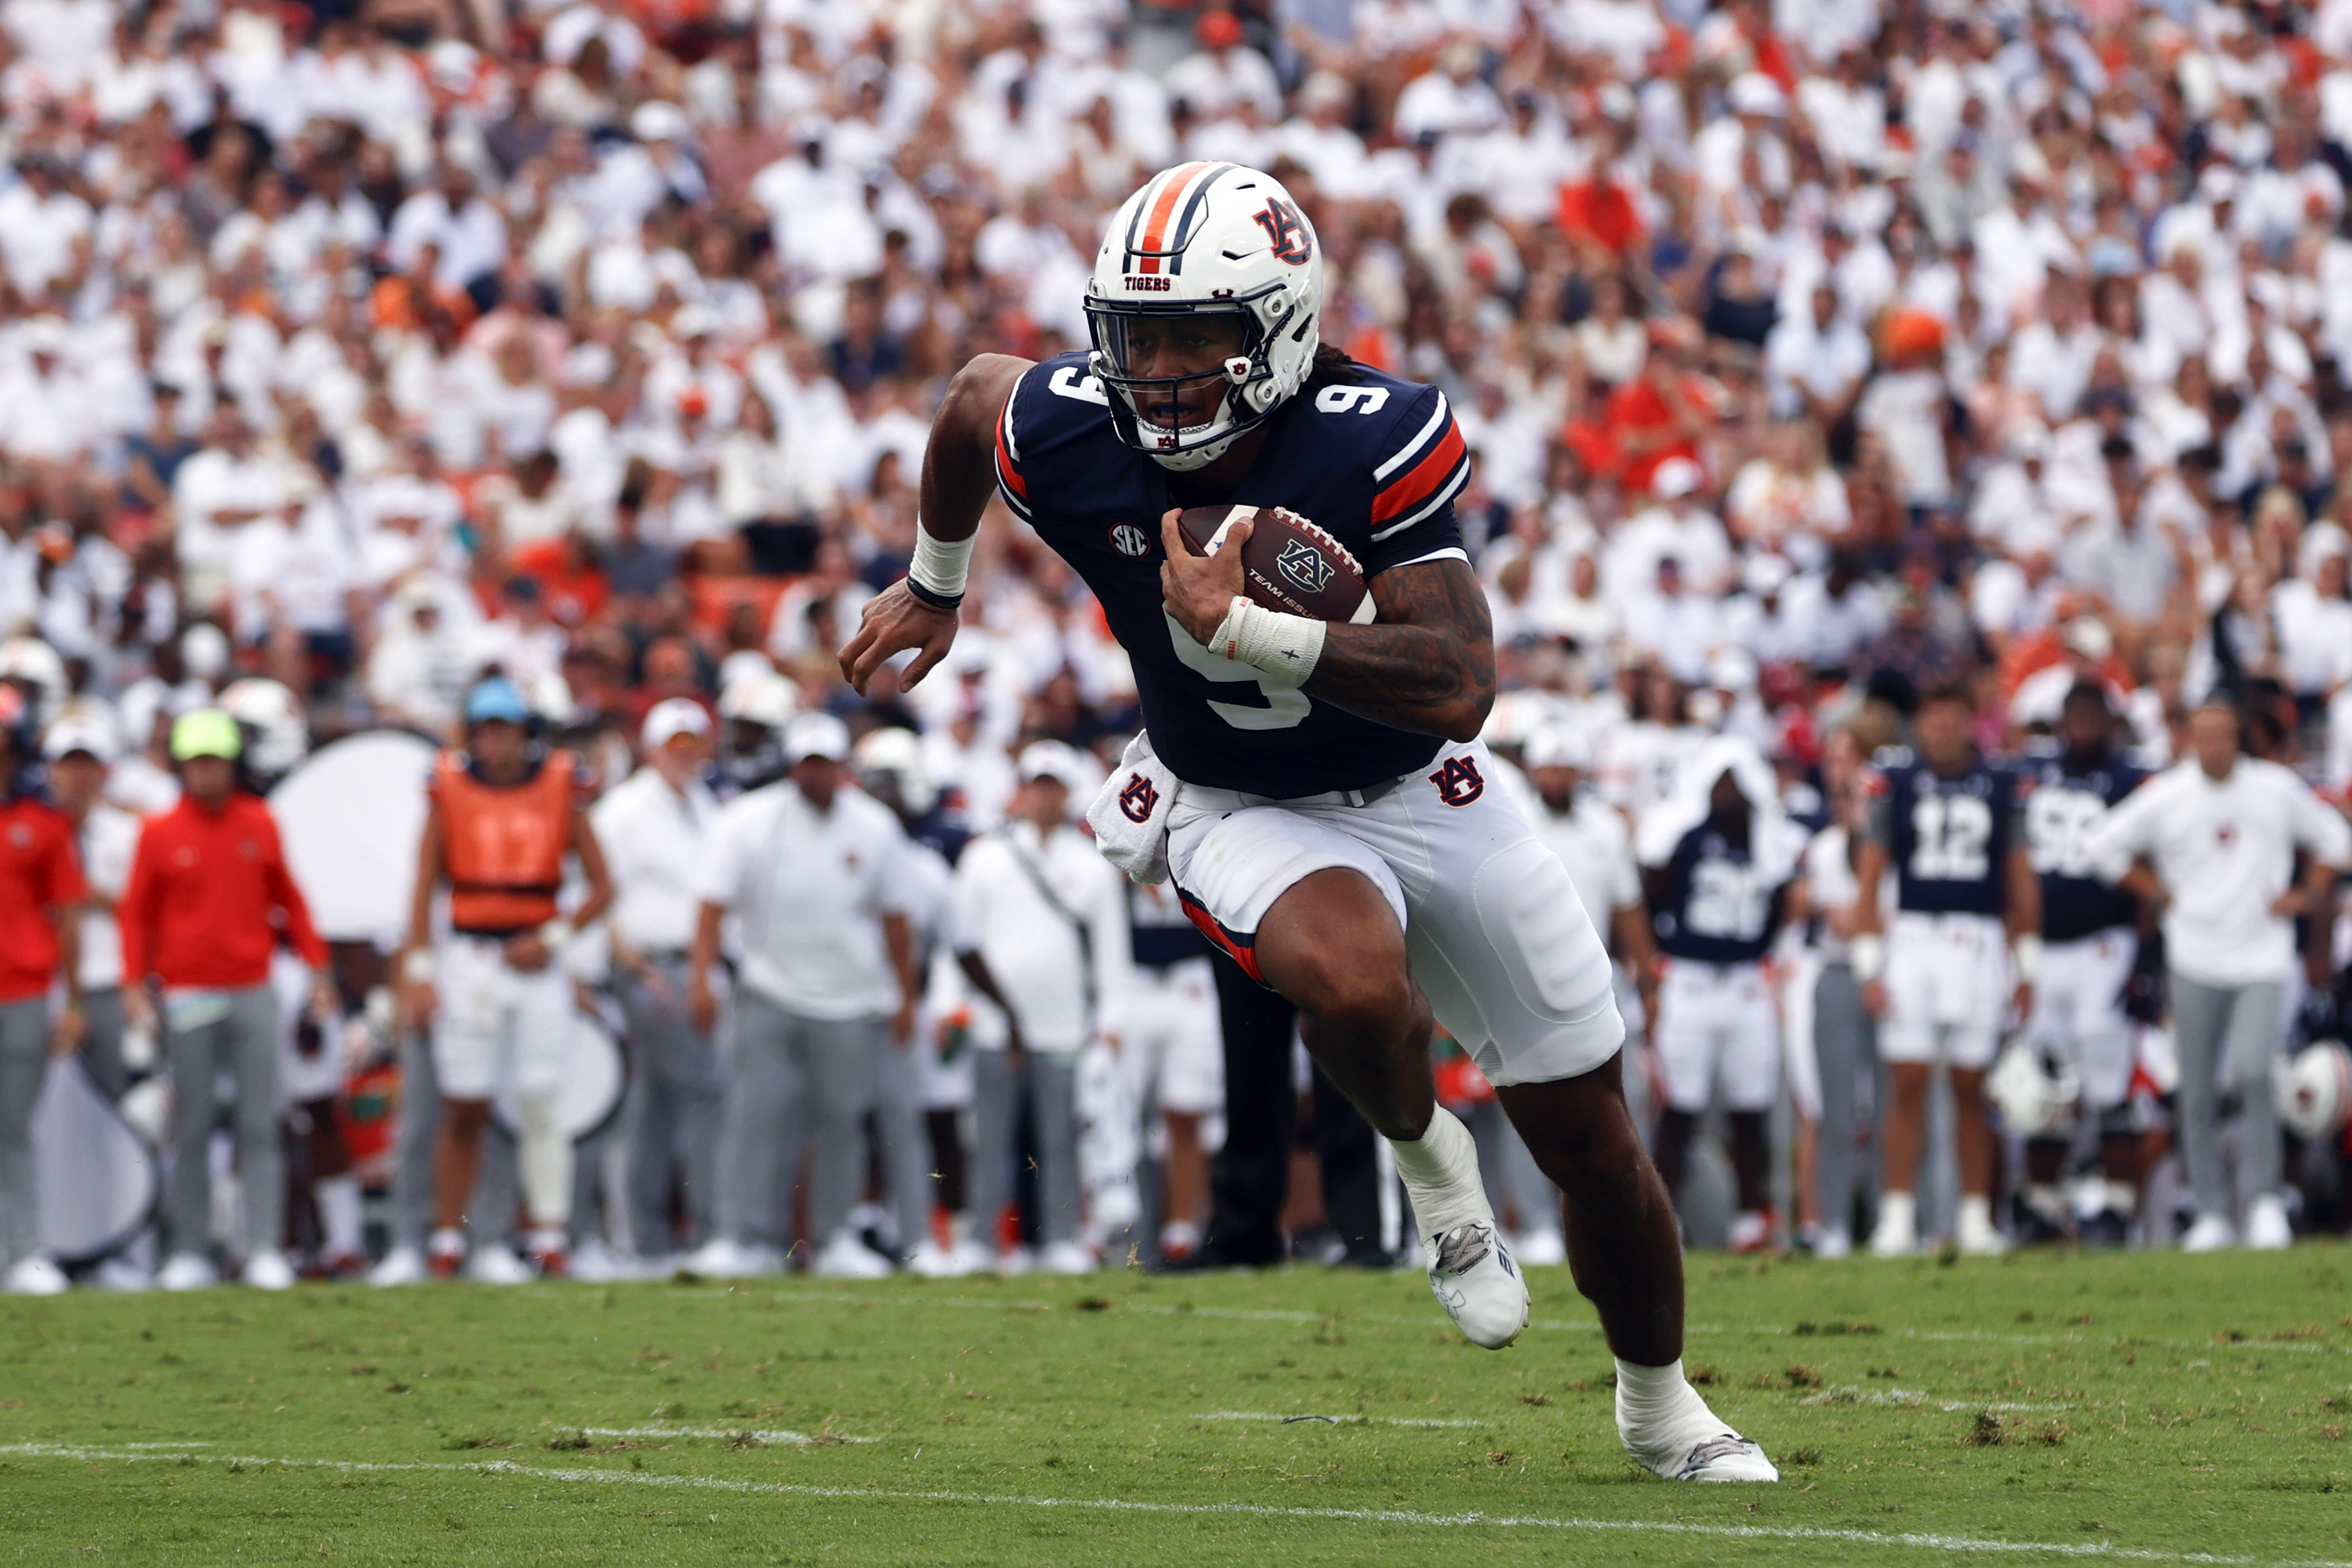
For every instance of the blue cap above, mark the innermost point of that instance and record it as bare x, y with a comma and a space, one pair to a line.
496, 697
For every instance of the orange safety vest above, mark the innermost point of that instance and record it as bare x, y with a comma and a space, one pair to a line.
503, 847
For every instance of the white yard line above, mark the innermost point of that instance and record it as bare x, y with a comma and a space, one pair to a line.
1579, 1326
1911, 1398
1918, 1540
781, 1435
1348, 1419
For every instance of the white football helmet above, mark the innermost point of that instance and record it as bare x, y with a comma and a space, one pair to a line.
2036, 1098
1204, 240
2313, 1089
277, 737
895, 755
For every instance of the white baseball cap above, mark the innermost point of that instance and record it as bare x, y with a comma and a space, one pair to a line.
671, 718
1061, 763
1674, 478
1560, 746
815, 735
80, 732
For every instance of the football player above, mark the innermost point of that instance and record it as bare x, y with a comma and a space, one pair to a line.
2092, 932
1717, 856
1962, 950
1332, 826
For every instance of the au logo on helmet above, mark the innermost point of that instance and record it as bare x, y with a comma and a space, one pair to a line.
1286, 231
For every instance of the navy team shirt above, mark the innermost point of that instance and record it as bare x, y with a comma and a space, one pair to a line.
1374, 460
1949, 838
2066, 803
1718, 907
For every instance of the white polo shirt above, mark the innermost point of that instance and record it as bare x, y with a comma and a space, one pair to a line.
2223, 850
1031, 949
1593, 842
809, 889
654, 840
107, 839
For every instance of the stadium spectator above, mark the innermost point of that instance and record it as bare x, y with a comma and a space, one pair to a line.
826, 982
656, 826
2213, 842
42, 880
1043, 925
502, 820
208, 900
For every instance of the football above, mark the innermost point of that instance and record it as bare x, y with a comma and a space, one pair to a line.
1287, 563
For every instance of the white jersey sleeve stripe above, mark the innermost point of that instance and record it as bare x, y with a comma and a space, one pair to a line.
1436, 423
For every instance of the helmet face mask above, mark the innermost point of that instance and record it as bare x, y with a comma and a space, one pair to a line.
1204, 311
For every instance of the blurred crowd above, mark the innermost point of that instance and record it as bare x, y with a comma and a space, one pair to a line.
1814, 355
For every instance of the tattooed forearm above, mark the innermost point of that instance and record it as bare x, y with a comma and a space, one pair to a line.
1427, 665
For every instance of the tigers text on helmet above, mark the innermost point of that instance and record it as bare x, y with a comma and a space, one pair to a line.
1209, 285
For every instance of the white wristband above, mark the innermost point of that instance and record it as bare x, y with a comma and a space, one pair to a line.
940, 566
1284, 647
2025, 952
416, 968
557, 932
1867, 953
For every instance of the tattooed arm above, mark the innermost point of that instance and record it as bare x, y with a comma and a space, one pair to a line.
1427, 665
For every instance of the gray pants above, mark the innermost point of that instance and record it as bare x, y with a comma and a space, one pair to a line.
244, 1042
2232, 1029
906, 1140
490, 1210
1845, 1046
101, 1045
1049, 1084
24, 1063
676, 1104
794, 1077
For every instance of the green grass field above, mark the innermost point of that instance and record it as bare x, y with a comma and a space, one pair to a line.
2155, 1408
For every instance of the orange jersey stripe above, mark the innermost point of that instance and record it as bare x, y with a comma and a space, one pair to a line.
1170, 195
1010, 475
1425, 477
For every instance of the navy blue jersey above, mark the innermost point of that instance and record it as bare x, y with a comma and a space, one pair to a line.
1719, 907
1159, 931
1376, 461
2064, 804
1948, 838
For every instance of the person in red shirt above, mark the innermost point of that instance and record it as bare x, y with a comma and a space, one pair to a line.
41, 890
209, 899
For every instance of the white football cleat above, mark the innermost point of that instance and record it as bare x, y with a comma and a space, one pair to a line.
1066, 1257
846, 1258
33, 1276
1897, 1234
492, 1264
1478, 1284
2266, 1227
269, 1272
1014, 1260
1975, 1234
185, 1272
404, 1265
1835, 1242
1725, 1457
2211, 1233
933, 1261
1541, 1249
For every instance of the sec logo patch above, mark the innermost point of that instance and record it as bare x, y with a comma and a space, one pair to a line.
1131, 541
